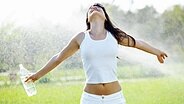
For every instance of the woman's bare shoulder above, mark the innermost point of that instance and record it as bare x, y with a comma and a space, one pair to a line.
80, 37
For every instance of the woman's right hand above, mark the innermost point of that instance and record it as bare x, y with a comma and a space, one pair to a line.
32, 77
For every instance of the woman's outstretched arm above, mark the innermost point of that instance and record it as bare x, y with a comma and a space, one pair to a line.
67, 51
139, 44
148, 48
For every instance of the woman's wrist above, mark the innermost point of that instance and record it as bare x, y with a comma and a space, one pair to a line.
157, 53
38, 75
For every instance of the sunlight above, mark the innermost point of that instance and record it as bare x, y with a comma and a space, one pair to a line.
24, 11
60, 11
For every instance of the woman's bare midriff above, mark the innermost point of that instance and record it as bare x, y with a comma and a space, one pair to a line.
103, 88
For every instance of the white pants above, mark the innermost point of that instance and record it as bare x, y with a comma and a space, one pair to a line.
116, 98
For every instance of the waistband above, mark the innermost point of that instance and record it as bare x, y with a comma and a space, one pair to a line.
109, 97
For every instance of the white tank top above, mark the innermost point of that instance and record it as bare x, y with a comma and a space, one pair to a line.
99, 58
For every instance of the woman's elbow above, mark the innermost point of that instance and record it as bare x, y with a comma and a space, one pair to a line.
139, 44
56, 59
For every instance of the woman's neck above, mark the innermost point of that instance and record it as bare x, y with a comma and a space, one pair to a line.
97, 28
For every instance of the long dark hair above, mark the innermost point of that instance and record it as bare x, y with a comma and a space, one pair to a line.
116, 32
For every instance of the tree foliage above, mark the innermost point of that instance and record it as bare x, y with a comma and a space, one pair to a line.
173, 23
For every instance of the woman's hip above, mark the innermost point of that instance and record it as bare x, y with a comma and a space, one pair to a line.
115, 98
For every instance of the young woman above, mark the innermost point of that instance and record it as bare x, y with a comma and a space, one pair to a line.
99, 47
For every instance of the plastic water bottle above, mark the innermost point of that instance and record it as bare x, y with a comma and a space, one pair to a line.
28, 86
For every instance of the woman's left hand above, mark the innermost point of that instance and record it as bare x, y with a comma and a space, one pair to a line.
161, 56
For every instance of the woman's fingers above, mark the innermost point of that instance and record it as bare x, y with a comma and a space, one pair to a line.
28, 79
161, 56
160, 59
31, 77
164, 55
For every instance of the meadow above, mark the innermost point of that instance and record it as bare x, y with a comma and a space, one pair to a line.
164, 90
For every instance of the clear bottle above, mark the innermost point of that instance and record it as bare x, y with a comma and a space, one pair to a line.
28, 86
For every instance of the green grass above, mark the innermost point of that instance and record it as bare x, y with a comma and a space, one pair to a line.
47, 94
154, 91
136, 91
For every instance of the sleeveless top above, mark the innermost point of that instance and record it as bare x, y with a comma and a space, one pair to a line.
99, 58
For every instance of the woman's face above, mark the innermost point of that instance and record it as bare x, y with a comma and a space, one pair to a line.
95, 10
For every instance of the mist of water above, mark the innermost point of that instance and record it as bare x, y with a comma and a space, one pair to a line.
172, 66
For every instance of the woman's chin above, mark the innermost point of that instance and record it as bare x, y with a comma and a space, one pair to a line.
96, 14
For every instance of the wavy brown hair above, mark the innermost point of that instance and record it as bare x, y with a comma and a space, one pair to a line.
121, 37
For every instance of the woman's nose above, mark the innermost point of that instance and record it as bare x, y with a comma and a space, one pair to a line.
94, 7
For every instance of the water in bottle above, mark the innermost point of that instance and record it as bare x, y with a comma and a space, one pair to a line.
28, 86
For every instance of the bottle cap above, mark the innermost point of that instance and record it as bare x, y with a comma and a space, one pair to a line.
20, 65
